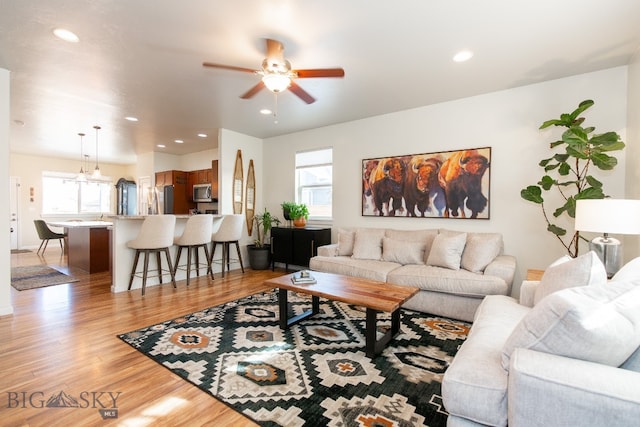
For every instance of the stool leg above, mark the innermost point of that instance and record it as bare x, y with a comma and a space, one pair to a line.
239, 256
224, 257
178, 253
145, 271
173, 276
196, 249
159, 266
188, 264
206, 254
133, 270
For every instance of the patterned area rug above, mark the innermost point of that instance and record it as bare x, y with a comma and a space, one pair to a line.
37, 276
315, 373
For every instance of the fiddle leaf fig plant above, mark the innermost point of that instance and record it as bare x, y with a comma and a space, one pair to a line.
569, 170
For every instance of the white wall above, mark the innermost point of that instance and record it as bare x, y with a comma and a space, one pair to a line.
632, 190
507, 121
5, 246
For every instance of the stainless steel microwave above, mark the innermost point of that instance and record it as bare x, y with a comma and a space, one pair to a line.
202, 193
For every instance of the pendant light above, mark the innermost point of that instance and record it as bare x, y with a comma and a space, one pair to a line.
81, 175
96, 171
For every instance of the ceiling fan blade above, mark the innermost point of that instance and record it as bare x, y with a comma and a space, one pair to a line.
320, 72
253, 91
301, 93
275, 49
228, 67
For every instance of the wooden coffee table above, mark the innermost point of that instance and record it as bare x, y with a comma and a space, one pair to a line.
373, 295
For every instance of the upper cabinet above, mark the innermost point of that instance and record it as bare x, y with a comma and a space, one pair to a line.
205, 176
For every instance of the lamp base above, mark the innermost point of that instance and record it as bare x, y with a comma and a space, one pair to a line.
609, 250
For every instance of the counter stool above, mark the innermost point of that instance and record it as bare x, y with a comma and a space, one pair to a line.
156, 235
196, 234
230, 231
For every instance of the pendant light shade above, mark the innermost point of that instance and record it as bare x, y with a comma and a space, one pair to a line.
96, 171
81, 175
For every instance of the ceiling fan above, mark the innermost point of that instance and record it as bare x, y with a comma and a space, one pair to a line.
277, 74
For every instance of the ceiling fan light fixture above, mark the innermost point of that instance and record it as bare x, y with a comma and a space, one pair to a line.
276, 82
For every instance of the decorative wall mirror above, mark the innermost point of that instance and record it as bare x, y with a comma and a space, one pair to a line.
237, 184
250, 197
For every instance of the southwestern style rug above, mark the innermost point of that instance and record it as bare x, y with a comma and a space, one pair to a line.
315, 373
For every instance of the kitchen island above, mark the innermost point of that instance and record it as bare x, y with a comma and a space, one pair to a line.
87, 244
126, 228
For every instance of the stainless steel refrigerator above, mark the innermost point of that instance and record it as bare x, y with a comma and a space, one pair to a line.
126, 197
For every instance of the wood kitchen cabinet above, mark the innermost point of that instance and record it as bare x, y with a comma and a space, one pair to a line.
205, 176
291, 245
181, 191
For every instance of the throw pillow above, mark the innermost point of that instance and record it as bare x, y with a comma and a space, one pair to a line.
480, 250
402, 252
345, 242
600, 324
368, 244
446, 250
629, 271
423, 236
585, 270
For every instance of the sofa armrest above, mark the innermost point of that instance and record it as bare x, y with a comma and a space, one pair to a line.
546, 389
504, 267
328, 250
527, 292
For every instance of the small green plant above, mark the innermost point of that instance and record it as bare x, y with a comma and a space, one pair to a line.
298, 211
579, 149
286, 209
264, 223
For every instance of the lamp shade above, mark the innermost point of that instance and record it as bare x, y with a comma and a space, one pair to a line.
611, 216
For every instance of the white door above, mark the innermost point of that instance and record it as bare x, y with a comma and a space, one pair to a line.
14, 198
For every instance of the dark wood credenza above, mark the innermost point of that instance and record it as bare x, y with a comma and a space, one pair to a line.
296, 246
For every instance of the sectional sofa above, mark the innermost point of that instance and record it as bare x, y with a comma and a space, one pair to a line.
454, 270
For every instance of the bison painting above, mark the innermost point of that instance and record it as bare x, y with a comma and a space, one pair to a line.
461, 177
449, 184
387, 183
421, 185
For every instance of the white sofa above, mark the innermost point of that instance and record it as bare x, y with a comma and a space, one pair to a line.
454, 270
566, 354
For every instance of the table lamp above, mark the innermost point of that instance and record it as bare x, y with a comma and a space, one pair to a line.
608, 216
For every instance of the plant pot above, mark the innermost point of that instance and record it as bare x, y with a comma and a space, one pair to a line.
300, 222
259, 258
285, 214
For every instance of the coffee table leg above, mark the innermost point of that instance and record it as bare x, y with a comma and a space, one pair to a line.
284, 319
374, 346
283, 303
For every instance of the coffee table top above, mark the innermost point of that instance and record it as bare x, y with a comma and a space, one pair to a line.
379, 296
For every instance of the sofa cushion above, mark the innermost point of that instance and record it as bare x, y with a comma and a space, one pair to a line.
349, 266
446, 250
629, 271
424, 236
345, 242
585, 270
402, 252
368, 244
480, 249
599, 324
474, 386
456, 282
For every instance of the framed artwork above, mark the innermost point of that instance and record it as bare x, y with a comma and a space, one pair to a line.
449, 184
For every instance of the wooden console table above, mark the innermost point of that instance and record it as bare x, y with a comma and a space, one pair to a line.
293, 245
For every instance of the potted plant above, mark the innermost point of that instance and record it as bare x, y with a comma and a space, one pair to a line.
299, 214
286, 209
579, 150
259, 251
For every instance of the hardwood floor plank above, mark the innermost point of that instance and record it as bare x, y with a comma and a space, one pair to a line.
64, 338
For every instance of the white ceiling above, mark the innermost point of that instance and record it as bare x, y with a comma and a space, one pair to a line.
143, 58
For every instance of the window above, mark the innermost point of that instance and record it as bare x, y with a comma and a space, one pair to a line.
62, 194
314, 182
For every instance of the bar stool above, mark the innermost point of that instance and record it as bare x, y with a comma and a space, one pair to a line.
197, 233
156, 235
230, 231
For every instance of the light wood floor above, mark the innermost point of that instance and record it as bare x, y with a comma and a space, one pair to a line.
63, 338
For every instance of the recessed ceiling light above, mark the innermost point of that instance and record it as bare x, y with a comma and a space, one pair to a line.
463, 55
178, 141
266, 111
161, 146
202, 135
66, 35
131, 119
